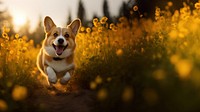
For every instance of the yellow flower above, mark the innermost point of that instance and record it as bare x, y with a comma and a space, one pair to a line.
127, 94
183, 67
159, 74
170, 4
174, 59
3, 105
102, 94
11, 52
84, 53
97, 24
100, 29
31, 42
112, 25
19, 93
95, 20
25, 38
16, 36
114, 29
2, 44
82, 29
122, 19
103, 20
88, 30
157, 13
109, 79
135, 8
5, 35
98, 80
197, 5
119, 52
93, 85
24, 49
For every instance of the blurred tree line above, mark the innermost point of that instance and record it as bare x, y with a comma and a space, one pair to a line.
146, 9
5, 19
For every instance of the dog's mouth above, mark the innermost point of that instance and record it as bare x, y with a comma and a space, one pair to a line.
59, 49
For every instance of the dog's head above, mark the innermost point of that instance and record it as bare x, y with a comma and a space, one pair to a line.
60, 42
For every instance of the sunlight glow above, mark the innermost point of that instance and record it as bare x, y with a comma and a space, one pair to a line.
19, 19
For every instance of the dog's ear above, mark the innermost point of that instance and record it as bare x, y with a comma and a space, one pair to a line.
48, 24
75, 25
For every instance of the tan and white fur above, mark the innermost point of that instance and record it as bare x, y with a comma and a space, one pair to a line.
55, 59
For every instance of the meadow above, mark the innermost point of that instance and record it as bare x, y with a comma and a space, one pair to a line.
134, 65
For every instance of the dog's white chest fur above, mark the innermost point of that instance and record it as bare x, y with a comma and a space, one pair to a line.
60, 66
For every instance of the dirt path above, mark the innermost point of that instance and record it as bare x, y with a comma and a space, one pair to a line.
59, 101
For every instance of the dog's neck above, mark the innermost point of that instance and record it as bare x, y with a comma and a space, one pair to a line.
57, 59
68, 59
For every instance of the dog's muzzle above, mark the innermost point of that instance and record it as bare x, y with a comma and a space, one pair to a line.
59, 48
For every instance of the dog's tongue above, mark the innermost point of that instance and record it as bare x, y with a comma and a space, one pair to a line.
59, 50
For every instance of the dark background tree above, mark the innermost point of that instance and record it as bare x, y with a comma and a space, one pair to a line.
81, 13
124, 10
147, 7
69, 19
106, 11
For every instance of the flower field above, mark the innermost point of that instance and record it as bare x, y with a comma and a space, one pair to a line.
134, 65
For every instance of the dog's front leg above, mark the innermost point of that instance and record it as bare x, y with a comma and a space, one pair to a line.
65, 78
52, 78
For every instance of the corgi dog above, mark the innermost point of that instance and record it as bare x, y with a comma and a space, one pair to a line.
55, 59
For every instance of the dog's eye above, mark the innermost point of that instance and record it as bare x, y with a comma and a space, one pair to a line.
55, 34
66, 35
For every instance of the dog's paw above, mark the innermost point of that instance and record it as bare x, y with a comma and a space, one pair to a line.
63, 81
65, 78
52, 78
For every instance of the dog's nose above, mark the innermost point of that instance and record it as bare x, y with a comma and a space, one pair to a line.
60, 41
